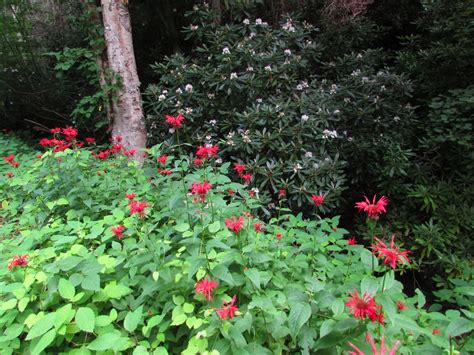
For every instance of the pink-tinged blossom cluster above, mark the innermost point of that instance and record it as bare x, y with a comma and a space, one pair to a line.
18, 260
174, 121
205, 287
391, 255
200, 189
235, 224
374, 208
364, 307
228, 309
317, 199
137, 207
207, 151
118, 231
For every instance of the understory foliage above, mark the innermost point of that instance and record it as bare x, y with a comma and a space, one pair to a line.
99, 255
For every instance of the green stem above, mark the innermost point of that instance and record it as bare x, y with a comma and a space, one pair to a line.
182, 178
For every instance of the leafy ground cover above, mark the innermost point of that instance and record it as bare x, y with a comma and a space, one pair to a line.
99, 255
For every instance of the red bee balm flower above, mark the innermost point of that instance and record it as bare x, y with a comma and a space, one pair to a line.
205, 287
70, 132
118, 231
401, 306
317, 199
257, 227
364, 307
207, 151
198, 162
281, 193
375, 351
9, 158
228, 309
392, 255
235, 224
201, 189
175, 122
90, 140
239, 169
351, 241
373, 208
18, 260
278, 236
138, 207
162, 159
55, 130
247, 177
130, 196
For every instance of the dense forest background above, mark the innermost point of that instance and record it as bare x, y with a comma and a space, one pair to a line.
415, 146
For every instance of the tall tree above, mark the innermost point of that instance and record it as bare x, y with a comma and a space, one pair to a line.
128, 120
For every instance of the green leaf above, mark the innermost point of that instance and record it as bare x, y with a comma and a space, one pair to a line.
42, 326
182, 227
214, 227
104, 342
369, 285
112, 290
254, 276
366, 258
132, 319
222, 273
66, 289
91, 282
329, 340
140, 350
196, 262
421, 300
160, 351
459, 326
337, 306
188, 308
299, 315
85, 319
43, 343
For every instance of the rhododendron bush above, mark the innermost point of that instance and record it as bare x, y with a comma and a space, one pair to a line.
99, 255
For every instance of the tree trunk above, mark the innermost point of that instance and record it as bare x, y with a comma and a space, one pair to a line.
128, 119
216, 6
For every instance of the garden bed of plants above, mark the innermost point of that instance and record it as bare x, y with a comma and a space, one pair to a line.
99, 255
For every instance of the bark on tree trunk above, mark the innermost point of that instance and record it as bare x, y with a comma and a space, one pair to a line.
127, 108
216, 5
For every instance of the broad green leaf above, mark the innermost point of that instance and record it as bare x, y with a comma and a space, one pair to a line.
132, 319
182, 227
299, 315
160, 351
188, 308
43, 343
369, 285
66, 289
459, 326
337, 306
85, 319
222, 273
421, 300
104, 342
254, 276
214, 227
140, 350
91, 282
116, 291
42, 326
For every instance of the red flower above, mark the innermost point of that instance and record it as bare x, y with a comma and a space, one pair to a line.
15, 164
117, 138
165, 172
281, 193
436, 331
79, 144
205, 287
116, 148
198, 162
251, 193
60, 148
201, 189
90, 140
45, 142
257, 227
130, 196
207, 151
9, 175
103, 154
129, 153
392, 254
55, 130
235, 224
247, 177
70, 132
175, 122
18, 260
138, 207
317, 199
239, 168
373, 208
162, 159
118, 231
278, 236
228, 309
351, 241
375, 351
9, 158
231, 192
401, 306
364, 307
